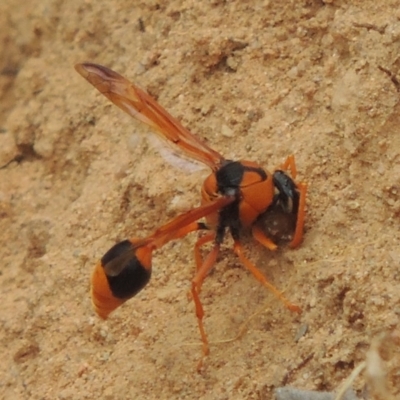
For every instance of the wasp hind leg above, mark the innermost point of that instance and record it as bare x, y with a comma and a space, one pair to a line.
197, 282
209, 237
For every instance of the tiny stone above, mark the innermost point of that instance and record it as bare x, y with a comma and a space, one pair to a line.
226, 131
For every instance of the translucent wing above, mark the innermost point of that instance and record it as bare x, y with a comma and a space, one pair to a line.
143, 107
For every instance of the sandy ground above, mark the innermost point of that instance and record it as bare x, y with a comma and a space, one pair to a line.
256, 80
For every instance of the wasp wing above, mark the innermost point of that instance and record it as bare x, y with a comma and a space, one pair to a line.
143, 107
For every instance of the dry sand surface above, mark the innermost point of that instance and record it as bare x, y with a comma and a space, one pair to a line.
256, 80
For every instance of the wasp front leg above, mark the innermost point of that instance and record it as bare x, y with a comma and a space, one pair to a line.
238, 249
290, 164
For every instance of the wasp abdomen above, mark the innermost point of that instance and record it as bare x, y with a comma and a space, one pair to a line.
122, 273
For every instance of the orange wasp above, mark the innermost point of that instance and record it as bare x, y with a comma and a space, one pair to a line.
235, 196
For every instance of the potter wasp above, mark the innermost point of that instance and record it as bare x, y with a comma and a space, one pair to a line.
235, 197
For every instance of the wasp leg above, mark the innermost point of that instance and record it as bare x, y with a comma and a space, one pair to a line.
196, 286
199, 260
200, 242
298, 233
290, 164
260, 236
238, 249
